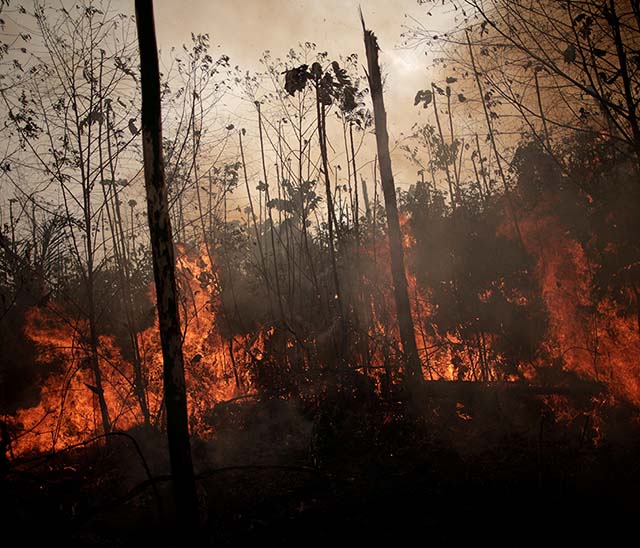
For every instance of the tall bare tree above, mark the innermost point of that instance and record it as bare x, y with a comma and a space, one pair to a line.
164, 273
413, 369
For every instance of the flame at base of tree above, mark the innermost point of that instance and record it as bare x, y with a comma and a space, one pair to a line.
67, 412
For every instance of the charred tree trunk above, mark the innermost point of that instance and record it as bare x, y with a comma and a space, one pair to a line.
89, 279
94, 360
413, 368
164, 273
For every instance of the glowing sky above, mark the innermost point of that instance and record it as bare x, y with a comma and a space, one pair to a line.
243, 29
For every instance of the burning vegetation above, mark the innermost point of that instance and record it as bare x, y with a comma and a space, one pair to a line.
472, 333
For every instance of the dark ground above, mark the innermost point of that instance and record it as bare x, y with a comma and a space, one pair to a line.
281, 475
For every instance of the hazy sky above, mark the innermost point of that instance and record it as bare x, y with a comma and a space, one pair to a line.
245, 28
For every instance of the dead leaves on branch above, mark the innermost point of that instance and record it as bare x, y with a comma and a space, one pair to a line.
333, 86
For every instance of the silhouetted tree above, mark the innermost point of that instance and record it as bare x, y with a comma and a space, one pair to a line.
413, 368
164, 273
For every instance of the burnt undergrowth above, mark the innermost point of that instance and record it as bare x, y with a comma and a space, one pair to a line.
285, 472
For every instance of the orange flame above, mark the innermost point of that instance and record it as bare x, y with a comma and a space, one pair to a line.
68, 411
593, 338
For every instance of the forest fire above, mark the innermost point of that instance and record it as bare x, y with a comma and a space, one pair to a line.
66, 412
68, 409
307, 302
597, 341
